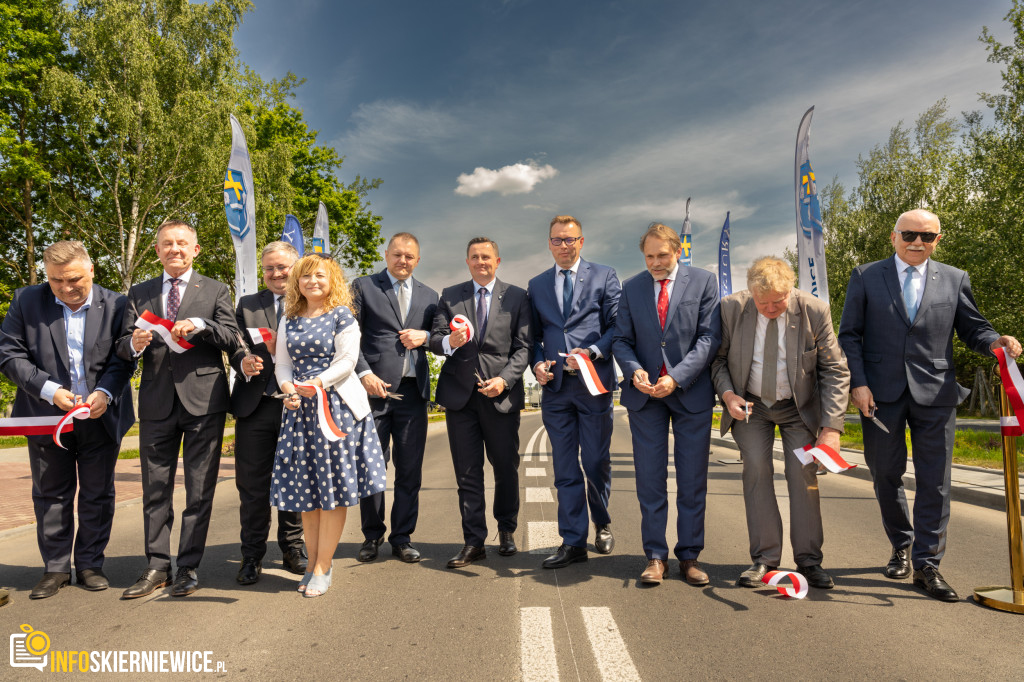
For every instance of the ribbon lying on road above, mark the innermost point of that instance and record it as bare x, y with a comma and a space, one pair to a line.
323, 407
259, 334
78, 412
824, 454
1013, 383
588, 373
152, 323
462, 322
43, 426
773, 578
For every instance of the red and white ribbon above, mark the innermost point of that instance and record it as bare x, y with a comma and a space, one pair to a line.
824, 454
1013, 384
78, 412
153, 323
587, 373
462, 322
259, 334
773, 578
31, 426
323, 407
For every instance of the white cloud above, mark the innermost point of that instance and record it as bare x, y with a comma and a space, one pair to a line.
519, 178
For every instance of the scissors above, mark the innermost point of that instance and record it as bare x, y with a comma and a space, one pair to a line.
876, 420
479, 379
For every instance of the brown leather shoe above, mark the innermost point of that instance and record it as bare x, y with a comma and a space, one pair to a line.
654, 572
692, 574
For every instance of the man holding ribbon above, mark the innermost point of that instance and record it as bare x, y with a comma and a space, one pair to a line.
482, 327
57, 346
183, 400
666, 332
574, 305
897, 332
780, 365
395, 313
258, 415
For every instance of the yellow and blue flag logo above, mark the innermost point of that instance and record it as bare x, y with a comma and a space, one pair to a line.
235, 193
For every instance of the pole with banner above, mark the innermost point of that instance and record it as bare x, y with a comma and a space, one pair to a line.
684, 236
240, 207
724, 267
810, 237
292, 234
321, 242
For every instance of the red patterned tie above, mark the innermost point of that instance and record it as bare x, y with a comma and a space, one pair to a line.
663, 313
174, 300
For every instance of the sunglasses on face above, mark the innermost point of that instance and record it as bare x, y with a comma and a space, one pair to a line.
911, 235
568, 241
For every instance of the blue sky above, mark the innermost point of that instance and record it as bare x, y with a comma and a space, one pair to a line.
614, 112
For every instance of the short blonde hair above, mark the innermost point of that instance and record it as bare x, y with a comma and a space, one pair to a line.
770, 274
339, 294
663, 232
567, 219
64, 252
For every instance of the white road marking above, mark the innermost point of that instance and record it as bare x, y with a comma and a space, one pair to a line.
537, 645
539, 495
533, 440
536, 471
542, 458
542, 537
613, 661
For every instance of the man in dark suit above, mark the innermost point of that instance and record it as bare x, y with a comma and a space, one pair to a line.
481, 388
574, 306
897, 332
258, 422
668, 329
780, 360
183, 398
395, 313
57, 346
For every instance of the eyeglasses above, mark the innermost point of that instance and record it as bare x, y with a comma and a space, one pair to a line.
276, 268
926, 237
568, 241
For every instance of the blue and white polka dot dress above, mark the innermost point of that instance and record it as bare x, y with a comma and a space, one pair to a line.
311, 472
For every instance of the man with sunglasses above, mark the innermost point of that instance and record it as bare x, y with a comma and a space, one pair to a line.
897, 332
574, 305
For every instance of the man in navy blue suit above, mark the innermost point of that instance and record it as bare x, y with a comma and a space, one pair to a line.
667, 331
574, 306
57, 346
395, 313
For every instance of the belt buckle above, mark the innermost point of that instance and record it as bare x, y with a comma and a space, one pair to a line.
568, 370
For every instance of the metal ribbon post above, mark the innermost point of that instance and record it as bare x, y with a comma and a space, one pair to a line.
1001, 597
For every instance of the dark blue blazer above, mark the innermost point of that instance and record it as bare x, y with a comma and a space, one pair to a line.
377, 311
687, 345
591, 322
34, 350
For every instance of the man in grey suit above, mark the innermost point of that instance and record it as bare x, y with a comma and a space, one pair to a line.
183, 397
897, 332
395, 313
481, 387
780, 365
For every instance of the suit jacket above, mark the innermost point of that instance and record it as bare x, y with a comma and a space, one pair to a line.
815, 365
197, 375
685, 346
591, 322
34, 350
254, 310
377, 311
887, 353
504, 351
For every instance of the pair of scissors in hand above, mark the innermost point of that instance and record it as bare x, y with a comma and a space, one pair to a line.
876, 420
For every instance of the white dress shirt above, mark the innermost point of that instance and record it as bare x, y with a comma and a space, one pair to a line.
901, 272
783, 391
489, 289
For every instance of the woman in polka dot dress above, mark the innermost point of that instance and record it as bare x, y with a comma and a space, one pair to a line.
313, 475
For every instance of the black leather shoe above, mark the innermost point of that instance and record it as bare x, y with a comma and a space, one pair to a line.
816, 577
506, 543
92, 579
466, 556
295, 561
752, 576
185, 582
148, 583
930, 580
604, 542
406, 552
566, 554
368, 551
49, 585
899, 564
249, 571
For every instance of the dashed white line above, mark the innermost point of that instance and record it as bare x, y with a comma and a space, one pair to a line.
536, 471
613, 661
539, 495
542, 537
537, 645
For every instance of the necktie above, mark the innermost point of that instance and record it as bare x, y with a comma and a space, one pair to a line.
770, 366
280, 312
566, 293
481, 313
403, 310
272, 386
910, 289
173, 300
663, 314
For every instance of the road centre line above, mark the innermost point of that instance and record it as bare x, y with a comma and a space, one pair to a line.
537, 645
613, 660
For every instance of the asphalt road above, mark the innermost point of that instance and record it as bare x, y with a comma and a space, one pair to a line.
507, 618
